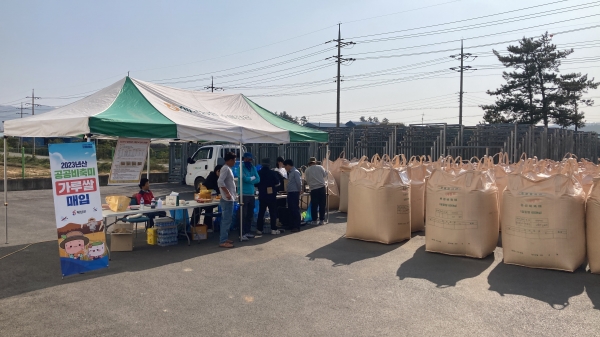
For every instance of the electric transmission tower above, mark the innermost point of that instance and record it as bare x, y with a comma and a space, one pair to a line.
212, 86
462, 57
33, 105
339, 60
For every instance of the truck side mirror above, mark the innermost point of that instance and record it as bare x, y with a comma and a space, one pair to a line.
190, 161
220, 161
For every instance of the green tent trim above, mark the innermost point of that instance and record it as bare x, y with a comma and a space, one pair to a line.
132, 114
298, 133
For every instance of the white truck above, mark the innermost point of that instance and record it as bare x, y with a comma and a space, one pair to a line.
204, 160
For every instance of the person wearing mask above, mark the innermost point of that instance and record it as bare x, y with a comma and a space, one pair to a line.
293, 194
147, 195
211, 183
249, 178
315, 176
227, 187
267, 196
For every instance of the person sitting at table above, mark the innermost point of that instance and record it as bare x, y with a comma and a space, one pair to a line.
211, 184
147, 195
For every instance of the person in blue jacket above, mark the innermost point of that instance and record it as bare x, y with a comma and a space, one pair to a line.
250, 178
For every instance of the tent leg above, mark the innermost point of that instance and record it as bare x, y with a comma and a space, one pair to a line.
327, 187
5, 196
148, 165
241, 197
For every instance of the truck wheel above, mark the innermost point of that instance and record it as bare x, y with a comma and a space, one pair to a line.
198, 181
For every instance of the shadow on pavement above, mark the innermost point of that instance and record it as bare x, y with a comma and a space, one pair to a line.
443, 270
550, 286
343, 252
38, 266
592, 288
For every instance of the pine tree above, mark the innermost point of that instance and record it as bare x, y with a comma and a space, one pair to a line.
529, 93
571, 88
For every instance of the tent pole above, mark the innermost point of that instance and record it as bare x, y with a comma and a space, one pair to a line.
327, 185
148, 166
241, 213
5, 195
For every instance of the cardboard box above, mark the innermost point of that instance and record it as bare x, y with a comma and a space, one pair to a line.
171, 200
121, 237
199, 232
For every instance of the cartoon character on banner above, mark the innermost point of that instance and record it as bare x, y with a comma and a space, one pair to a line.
96, 250
74, 244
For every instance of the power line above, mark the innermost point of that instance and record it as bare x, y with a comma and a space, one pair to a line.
458, 21
488, 24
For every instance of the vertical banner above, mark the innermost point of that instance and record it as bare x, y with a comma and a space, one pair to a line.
128, 161
77, 207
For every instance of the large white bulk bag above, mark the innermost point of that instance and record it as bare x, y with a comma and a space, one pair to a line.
461, 212
593, 227
378, 204
543, 221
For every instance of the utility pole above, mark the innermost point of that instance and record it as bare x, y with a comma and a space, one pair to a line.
212, 86
21, 113
33, 105
339, 60
462, 57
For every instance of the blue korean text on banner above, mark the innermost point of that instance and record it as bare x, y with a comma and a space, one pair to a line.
78, 208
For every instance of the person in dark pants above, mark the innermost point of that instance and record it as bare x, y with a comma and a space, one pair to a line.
293, 197
211, 184
267, 196
249, 178
315, 177
147, 195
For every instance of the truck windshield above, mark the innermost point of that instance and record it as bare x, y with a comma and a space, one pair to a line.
205, 153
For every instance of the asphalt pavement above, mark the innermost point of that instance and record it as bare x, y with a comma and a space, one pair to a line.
312, 283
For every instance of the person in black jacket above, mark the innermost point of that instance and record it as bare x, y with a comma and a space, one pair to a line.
211, 181
211, 184
267, 196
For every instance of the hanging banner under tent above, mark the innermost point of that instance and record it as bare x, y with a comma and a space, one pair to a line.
128, 161
77, 207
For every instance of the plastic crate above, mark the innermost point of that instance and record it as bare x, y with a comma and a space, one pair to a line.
170, 240
166, 231
164, 222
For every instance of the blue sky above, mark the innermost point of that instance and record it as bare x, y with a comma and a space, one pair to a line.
67, 49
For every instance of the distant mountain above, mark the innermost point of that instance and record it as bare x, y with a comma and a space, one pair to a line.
8, 112
592, 127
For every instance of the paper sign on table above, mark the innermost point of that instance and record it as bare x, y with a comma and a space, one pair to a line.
128, 162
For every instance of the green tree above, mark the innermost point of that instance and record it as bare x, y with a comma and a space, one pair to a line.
362, 119
385, 121
571, 88
288, 117
528, 96
303, 120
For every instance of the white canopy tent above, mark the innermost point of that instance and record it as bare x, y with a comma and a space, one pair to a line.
137, 109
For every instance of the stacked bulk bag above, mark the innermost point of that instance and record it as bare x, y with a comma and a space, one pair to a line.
333, 179
417, 173
501, 172
333, 193
344, 179
461, 210
378, 203
543, 218
593, 227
